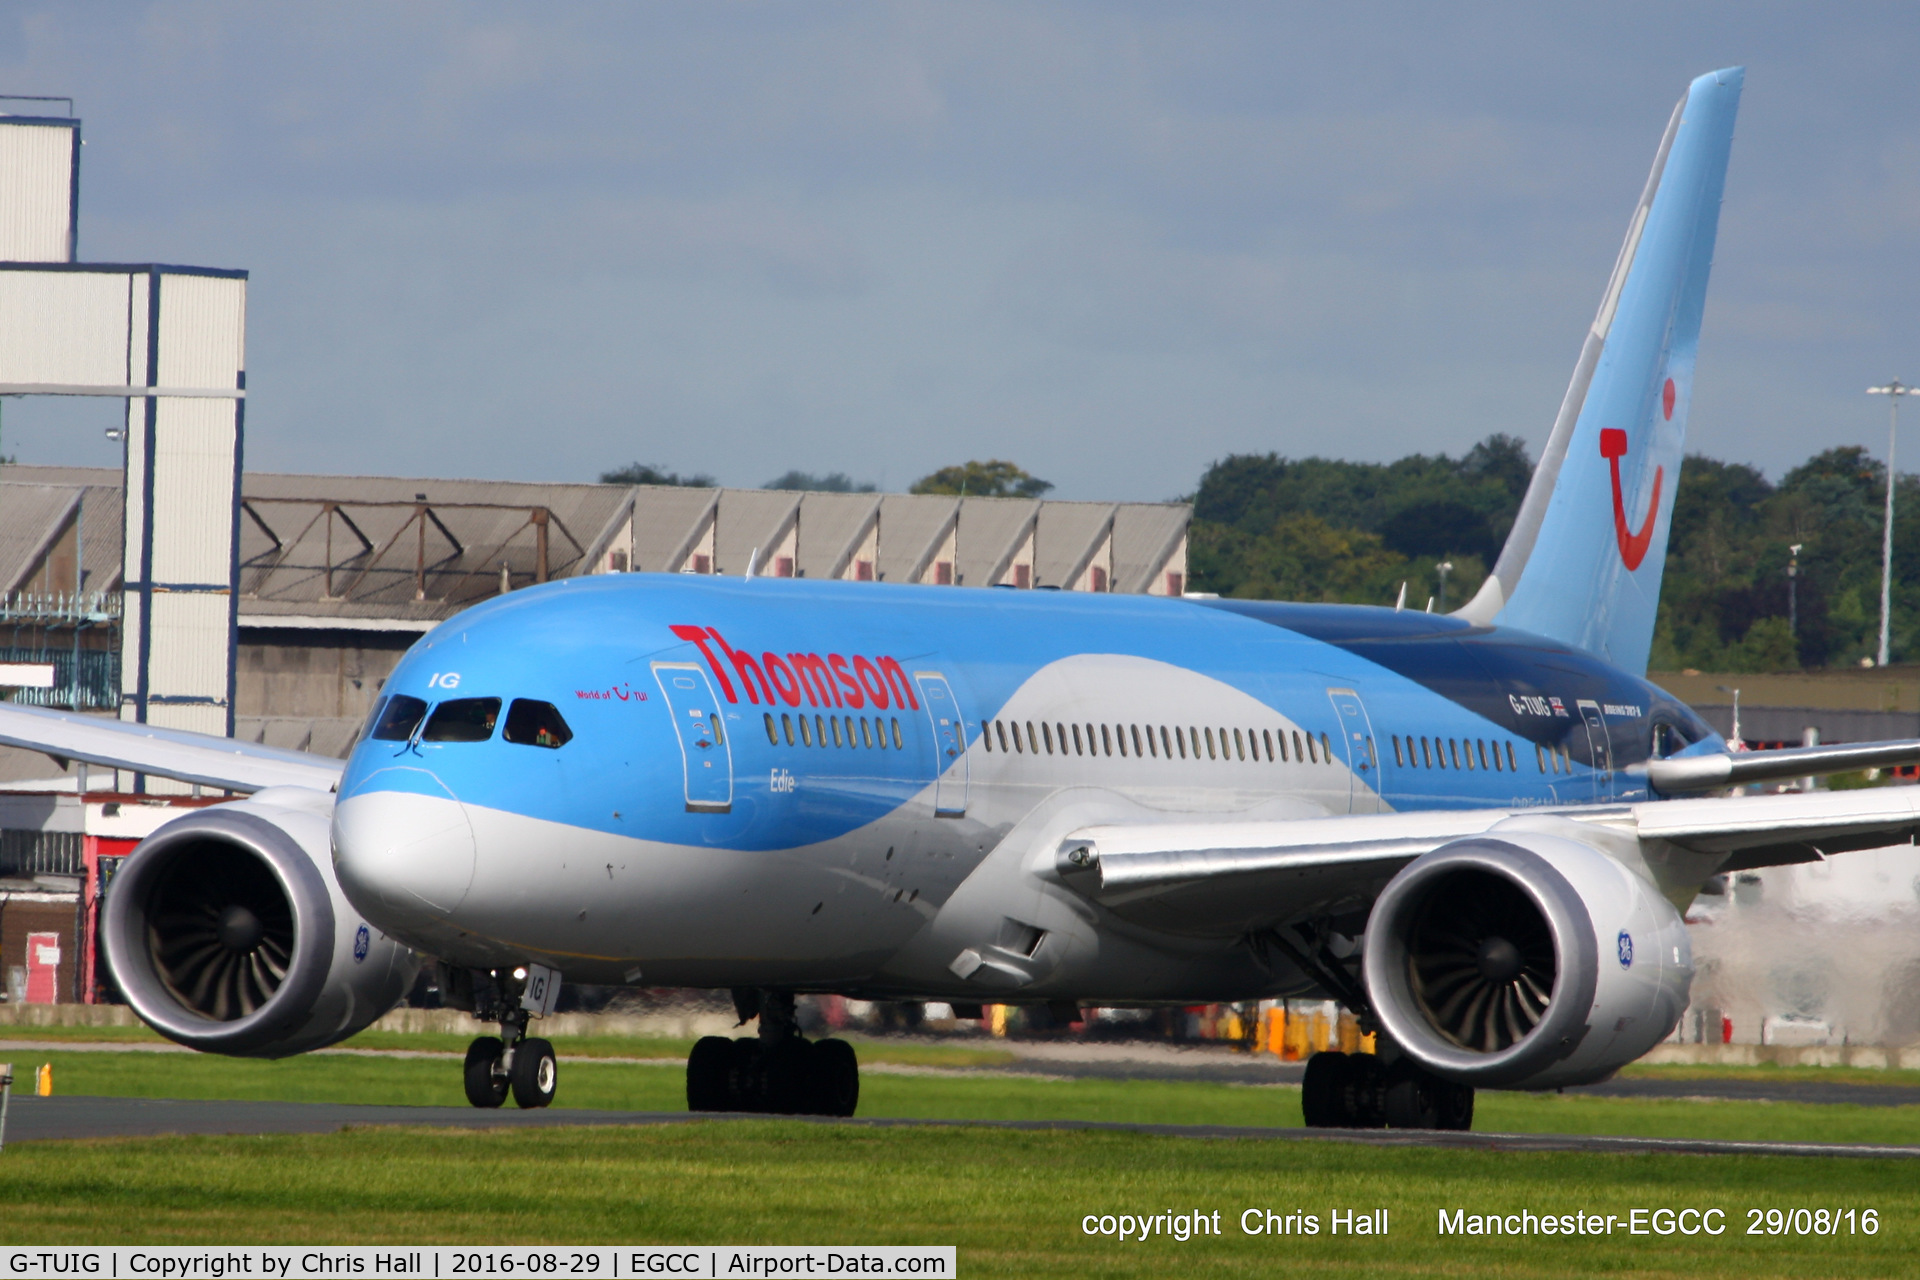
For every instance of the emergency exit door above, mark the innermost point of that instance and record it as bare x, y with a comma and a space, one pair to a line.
949, 744
1363, 759
1601, 745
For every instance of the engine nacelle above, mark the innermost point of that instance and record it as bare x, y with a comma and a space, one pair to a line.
1525, 960
227, 932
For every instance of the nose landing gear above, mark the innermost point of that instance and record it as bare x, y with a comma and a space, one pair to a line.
511, 1062
778, 1072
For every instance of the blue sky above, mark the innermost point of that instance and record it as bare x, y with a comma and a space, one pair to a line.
1112, 242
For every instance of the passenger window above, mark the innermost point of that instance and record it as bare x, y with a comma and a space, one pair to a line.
1511, 766
1136, 740
1540, 757
1480, 744
835, 722
1326, 749
1001, 729
1239, 747
463, 720
986, 734
538, 724
1180, 741
786, 727
1106, 740
773, 733
399, 718
1396, 750
896, 735
806, 734
871, 730
1046, 735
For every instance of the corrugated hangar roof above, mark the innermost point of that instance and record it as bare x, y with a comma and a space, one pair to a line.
399, 553
37, 527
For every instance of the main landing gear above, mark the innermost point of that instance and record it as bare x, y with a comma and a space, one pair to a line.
1359, 1091
777, 1072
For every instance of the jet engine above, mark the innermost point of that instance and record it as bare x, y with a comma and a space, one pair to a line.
227, 932
1525, 960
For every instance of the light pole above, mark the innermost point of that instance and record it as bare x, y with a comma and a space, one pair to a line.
1445, 567
1892, 391
1793, 589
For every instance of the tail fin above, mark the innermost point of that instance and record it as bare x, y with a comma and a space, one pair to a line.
1584, 560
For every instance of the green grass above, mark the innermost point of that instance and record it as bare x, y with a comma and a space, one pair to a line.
1012, 1202
81, 1035
1768, 1072
635, 1087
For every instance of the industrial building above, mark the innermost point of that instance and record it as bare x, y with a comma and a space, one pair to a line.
337, 575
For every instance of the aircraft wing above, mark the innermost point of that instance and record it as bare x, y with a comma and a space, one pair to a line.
169, 753
1732, 769
1224, 878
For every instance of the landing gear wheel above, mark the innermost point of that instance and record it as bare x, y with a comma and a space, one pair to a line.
1321, 1089
486, 1086
536, 1074
1456, 1107
709, 1075
836, 1078
789, 1068
1412, 1098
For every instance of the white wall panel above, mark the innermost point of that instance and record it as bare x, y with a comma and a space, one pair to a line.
193, 491
69, 327
189, 648
36, 192
203, 325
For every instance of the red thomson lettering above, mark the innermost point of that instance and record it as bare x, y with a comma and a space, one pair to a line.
789, 691
743, 665
839, 665
699, 637
872, 681
815, 679
898, 682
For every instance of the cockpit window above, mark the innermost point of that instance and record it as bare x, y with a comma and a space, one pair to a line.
398, 718
463, 720
538, 724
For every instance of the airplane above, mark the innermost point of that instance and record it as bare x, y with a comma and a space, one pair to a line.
1478, 830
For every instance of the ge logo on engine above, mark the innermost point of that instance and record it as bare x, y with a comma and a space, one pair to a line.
1625, 946
362, 940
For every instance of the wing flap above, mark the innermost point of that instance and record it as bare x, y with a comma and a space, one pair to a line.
225, 763
1218, 878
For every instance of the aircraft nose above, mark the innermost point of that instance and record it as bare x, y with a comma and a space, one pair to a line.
403, 849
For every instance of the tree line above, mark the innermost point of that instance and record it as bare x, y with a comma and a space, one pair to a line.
1268, 527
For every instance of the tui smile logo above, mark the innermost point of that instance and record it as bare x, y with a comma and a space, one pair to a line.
1613, 447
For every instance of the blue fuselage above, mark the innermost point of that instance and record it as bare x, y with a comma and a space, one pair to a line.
834, 760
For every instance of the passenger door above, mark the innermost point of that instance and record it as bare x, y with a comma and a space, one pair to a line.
706, 757
1602, 747
1363, 758
949, 744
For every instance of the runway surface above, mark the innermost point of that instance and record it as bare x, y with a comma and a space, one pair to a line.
32, 1119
